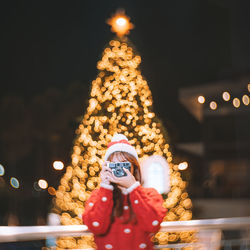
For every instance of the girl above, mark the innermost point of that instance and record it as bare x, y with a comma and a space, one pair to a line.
121, 213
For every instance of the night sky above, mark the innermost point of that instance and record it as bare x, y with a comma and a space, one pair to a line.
182, 43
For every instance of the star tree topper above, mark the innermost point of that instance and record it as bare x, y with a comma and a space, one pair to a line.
120, 23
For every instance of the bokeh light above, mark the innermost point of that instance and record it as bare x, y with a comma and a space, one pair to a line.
236, 102
14, 182
2, 171
213, 105
226, 96
245, 99
201, 99
58, 165
121, 21
248, 87
51, 191
183, 165
43, 184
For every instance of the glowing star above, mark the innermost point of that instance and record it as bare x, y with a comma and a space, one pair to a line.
120, 24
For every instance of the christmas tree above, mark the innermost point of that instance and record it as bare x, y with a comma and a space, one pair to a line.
120, 102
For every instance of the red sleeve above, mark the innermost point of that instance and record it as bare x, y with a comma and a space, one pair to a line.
98, 209
147, 205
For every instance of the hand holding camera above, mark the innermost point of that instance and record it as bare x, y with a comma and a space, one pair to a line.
118, 168
105, 173
121, 174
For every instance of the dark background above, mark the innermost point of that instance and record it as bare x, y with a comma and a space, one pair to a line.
49, 52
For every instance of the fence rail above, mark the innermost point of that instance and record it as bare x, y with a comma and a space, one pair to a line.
25, 233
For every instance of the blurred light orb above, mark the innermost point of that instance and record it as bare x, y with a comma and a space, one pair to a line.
201, 99
14, 182
245, 99
236, 102
213, 105
121, 21
120, 24
183, 165
58, 165
226, 96
248, 87
2, 171
43, 184
51, 191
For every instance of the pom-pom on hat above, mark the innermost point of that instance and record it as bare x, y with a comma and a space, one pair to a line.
120, 143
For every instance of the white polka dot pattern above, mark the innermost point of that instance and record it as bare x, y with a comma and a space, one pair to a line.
142, 245
127, 230
125, 207
108, 246
104, 198
91, 204
136, 201
155, 222
95, 224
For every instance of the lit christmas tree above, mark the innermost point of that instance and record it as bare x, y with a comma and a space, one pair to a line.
120, 102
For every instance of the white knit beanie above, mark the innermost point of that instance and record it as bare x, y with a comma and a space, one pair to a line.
120, 143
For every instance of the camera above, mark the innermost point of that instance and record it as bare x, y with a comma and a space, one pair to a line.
117, 168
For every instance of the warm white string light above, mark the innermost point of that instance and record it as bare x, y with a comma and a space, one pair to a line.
201, 99
58, 165
245, 99
236, 102
43, 184
213, 105
226, 96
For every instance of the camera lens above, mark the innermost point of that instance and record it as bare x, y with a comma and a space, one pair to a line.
118, 172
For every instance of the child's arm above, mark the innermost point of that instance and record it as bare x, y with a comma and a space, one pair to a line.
98, 209
147, 205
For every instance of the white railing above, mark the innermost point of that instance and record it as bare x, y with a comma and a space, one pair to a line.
28, 233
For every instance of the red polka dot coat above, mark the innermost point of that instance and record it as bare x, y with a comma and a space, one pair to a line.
147, 206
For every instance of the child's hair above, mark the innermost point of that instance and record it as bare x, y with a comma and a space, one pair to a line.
117, 194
